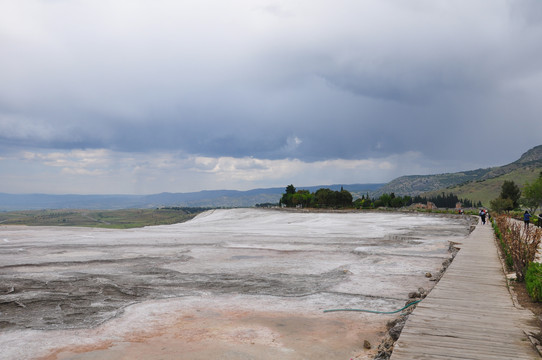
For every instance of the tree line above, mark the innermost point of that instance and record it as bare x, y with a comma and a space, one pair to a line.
326, 198
322, 198
448, 201
510, 198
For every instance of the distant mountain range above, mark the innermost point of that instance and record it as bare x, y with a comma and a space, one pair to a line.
476, 185
208, 198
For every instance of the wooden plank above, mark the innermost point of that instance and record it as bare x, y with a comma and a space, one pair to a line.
450, 354
468, 336
461, 332
461, 325
488, 346
470, 313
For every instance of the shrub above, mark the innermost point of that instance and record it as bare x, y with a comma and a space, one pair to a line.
519, 242
505, 250
533, 281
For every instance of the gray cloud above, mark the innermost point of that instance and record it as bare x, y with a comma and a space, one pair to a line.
274, 80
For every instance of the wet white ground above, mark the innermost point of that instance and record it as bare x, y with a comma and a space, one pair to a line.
230, 284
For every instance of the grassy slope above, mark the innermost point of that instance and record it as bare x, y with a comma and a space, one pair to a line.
487, 190
118, 219
478, 185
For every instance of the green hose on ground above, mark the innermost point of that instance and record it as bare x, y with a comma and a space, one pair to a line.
375, 312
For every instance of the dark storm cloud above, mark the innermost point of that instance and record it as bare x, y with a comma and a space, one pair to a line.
273, 80
529, 11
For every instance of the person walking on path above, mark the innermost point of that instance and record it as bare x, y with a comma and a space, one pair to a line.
526, 218
483, 216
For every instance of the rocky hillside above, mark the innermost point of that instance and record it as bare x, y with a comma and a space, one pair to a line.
476, 185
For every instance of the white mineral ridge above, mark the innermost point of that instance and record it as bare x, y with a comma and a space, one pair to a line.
368, 260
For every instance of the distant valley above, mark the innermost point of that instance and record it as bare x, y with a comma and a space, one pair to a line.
476, 185
211, 199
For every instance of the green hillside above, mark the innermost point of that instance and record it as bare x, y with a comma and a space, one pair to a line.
476, 185
487, 190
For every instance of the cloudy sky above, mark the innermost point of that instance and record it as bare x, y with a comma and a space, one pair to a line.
146, 96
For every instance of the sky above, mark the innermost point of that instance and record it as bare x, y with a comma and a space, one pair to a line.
150, 96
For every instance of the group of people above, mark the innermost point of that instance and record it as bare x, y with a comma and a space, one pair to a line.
526, 218
483, 215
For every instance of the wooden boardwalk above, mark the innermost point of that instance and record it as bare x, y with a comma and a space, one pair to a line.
470, 313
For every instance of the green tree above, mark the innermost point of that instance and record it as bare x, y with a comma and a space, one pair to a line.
367, 203
378, 203
287, 197
386, 199
511, 191
500, 204
324, 197
344, 198
532, 195
303, 198
290, 189
363, 203
397, 202
358, 203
